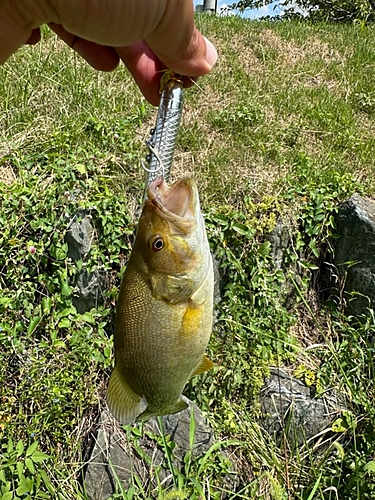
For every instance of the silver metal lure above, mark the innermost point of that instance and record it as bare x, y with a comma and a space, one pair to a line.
161, 144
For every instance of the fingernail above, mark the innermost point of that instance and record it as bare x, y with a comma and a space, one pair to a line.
211, 53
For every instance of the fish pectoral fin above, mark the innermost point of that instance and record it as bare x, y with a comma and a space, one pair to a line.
205, 365
172, 289
122, 401
147, 414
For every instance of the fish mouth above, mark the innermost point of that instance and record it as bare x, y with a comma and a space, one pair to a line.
177, 204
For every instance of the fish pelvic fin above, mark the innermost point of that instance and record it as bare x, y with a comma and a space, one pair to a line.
122, 401
147, 414
205, 365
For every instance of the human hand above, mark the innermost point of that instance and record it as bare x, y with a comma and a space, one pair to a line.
147, 35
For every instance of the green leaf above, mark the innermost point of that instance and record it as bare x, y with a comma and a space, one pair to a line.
66, 291
5, 301
64, 323
130, 493
370, 466
30, 465
338, 425
10, 447
46, 305
107, 351
314, 248
59, 344
39, 456
23, 487
316, 486
7, 496
34, 322
88, 317
264, 249
19, 467
19, 448
59, 252
30, 450
46, 481
67, 311
43, 495
350, 419
80, 168
242, 229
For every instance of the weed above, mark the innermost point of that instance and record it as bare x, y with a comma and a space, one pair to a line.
282, 130
20, 474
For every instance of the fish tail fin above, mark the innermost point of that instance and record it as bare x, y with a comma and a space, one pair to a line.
122, 401
147, 414
204, 365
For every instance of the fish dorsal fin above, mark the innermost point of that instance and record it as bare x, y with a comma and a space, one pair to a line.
205, 365
147, 414
123, 402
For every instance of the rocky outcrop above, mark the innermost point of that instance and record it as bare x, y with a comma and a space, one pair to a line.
354, 256
119, 455
89, 285
291, 407
280, 241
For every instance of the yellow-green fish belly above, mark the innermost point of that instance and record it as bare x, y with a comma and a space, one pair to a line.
158, 346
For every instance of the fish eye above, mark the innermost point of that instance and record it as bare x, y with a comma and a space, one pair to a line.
157, 243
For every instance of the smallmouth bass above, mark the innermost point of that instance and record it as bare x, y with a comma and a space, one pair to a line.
164, 310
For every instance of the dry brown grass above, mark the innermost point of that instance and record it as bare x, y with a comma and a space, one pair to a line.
292, 53
251, 63
7, 175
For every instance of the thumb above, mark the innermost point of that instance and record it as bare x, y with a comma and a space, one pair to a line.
178, 43
196, 58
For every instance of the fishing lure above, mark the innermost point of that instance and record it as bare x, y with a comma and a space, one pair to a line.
162, 142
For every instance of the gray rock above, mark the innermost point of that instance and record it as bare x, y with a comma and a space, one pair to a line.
288, 405
89, 285
117, 458
280, 240
354, 256
89, 288
79, 235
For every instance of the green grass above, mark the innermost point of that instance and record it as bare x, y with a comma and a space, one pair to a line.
283, 128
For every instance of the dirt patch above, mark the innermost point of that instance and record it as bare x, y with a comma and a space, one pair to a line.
319, 80
7, 175
249, 59
292, 53
318, 49
289, 52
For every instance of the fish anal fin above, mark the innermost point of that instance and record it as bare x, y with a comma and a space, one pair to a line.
122, 401
176, 408
205, 365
